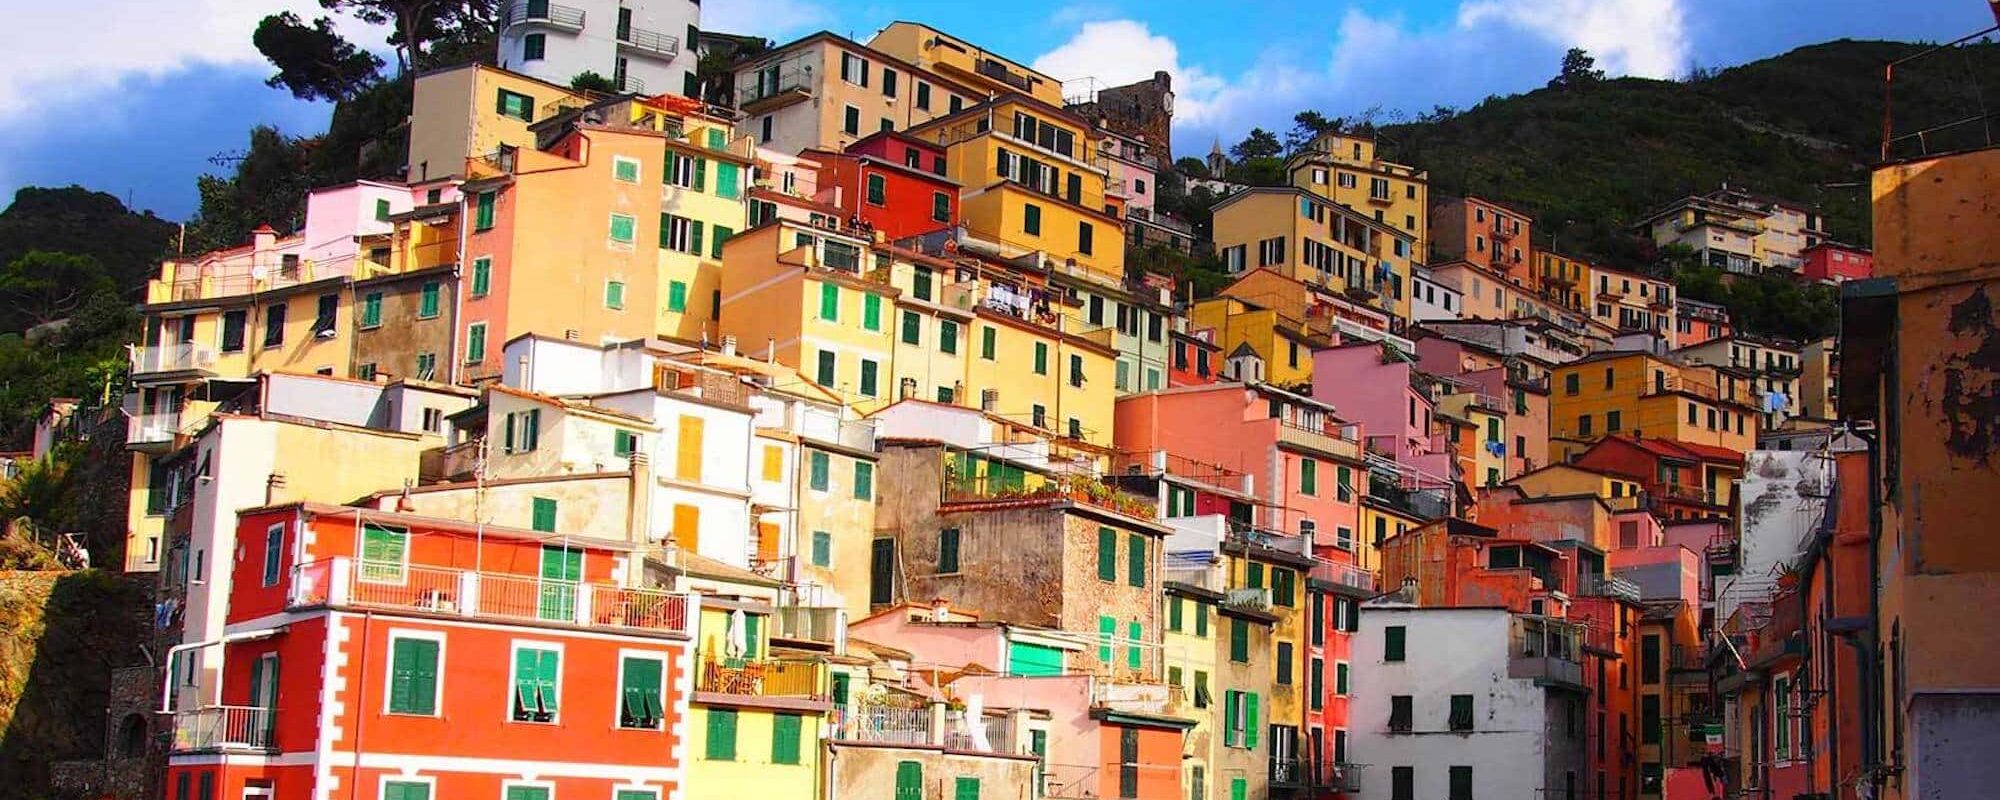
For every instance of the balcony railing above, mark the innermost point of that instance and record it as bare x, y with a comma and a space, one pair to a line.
995, 735
1079, 490
885, 725
761, 87
1249, 599
1344, 575
544, 13
760, 677
1331, 442
1607, 586
222, 728
343, 582
182, 357
801, 623
158, 427
651, 43
1000, 72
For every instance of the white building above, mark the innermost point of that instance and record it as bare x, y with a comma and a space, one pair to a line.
1431, 300
643, 46
1482, 698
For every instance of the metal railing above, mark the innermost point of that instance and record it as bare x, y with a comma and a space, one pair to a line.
153, 428
804, 623
990, 68
1347, 575
560, 16
1607, 586
1332, 442
649, 42
1947, 83
343, 582
763, 86
1076, 489
996, 735
760, 677
172, 357
223, 728
884, 724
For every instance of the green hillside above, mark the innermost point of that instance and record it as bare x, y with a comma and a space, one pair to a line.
1587, 160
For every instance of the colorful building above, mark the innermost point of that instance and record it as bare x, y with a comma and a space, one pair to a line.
890, 182
1638, 392
1681, 480
462, 114
1348, 168
988, 72
1833, 262
1310, 236
1699, 322
1483, 232
825, 91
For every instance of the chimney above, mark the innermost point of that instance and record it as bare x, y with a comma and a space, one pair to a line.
729, 345
263, 238
940, 610
639, 501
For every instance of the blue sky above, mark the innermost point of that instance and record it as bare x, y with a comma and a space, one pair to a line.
134, 97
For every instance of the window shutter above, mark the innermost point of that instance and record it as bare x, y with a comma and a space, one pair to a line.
694, 236
1135, 559
966, 788
1175, 609
1250, 723
1107, 630
545, 513
721, 734
785, 738
909, 781
1135, 633
1230, 733
1107, 554
701, 174
687, 464
947, 560
722, 234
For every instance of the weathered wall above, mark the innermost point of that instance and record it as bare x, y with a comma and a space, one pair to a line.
66, 632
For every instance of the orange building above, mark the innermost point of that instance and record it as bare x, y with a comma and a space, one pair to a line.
388, 655
1485, 233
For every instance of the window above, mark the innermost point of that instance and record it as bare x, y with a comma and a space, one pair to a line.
1571, 384
967, 788
1239, 641
826, 368
822, 549
274, 552
544, 514
853, 69
523, 431
1461, 783
947, 337
1107, 630
1613, 421
274, 326
1085, 242
516, 105
864, 480
821, 465
1399, 713
1393, 640
1107, 554
1031, 219
721, 745
413, 674
614, 295
923, 95
623, 228
1041, 363
988, 343
785, 738
1340, 677
1308, 477
537, 672
912, 328
1076, 370
869, 372
1284, 663
1583, 425
1461, 712
400, 790
371, 315
1135, 559
1135, 634
877, 190
909, 780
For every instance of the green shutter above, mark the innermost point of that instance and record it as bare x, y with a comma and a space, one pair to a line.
725, 180
545, 513
1201, 619
721, 734
1041, 358
912, 328
677, 296
1393, 643
1107, 554
909, 781
871, 312
701, 174
483, 216
639, 693
413, 677
716, 239
1031, 222
868, 373
829, 301
864, 480
694, 236
1033, 660
1239, 789
785, 738
431, 301
382, 552
1135, 559
1107, 630
826, 367
482, 276
371, 310
965, 788
947, 337
1136, 633
821, 466
1340, 678
1308, 477
987, 344
475, 343
405, 790
1175, 609
1231, 700
1250, 723
822, 548
1239, 641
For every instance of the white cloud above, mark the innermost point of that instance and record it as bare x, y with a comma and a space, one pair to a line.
779, 20
1488, 47
1645, 38
62, 51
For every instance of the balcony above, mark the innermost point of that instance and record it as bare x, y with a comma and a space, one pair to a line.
771, 90
541, 12
991, 734
1608, 586
1287, 772
810, 624
214, 729
1335, 443
1083, 491
341, 582
1546, 670
1690, 494
653, 44
171, 361
152, 429
884, 724
760, 677
1248, 599
1346, 575
855, 434
994, 70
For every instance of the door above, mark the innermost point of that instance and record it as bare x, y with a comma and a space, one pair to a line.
263, 700
624, 24
562, 570
882, 571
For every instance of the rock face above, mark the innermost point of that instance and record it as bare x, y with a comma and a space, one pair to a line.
74, 685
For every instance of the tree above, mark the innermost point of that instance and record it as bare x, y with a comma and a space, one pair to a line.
1307, 126
313, 61
1192, 167
1578, 70
588, 81
76, 220
268, 187
1259, 143
44, 287
417, 22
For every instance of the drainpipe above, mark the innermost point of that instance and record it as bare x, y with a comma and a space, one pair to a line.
458, 289
1870, 650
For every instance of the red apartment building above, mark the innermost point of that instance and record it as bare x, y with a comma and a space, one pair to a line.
1835, 262
890, 181
374, 654
1682, 480
1196, 358
1485, 233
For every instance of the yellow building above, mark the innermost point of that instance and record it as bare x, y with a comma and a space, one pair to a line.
1345, 167
472, 110
705, 182
1623, 391
1771, 369
796, 294
1627, 302
1568, 480
827, 91
1281, 320
1484, 424
757, 719
1315, 239
1263, 563
1563, 279
965, 62
1190, 649
1034, 181
1380, 519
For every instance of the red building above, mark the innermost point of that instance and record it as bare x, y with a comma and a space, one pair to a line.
1196, 360
892, 182
382, 655
1835, 262
1682, 480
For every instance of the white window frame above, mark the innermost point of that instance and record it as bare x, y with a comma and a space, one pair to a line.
638, 169
680, 234
514, 649
618, 698
360, 545
680, 170
634, 787
389, 673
